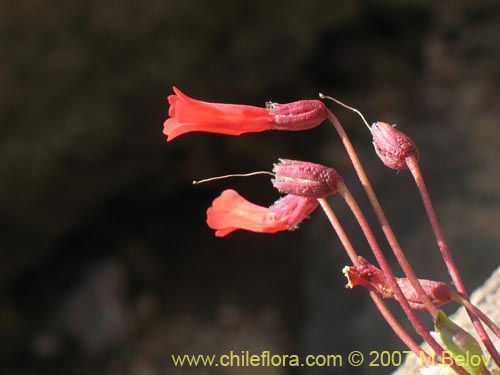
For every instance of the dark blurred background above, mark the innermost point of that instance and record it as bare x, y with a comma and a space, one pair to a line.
106, 264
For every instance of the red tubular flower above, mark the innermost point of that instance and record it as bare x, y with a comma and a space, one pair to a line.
374, 279
230, 211
392, 146
190, 115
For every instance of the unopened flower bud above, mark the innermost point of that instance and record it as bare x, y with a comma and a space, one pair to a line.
305, 179
462, 345
392, 146
299, 115
438, 292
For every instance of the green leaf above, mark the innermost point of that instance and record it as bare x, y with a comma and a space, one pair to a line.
461, 346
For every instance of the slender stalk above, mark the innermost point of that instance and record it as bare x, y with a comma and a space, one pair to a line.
344, 239
414, 168
475, 310
379, 212
399, 330
384, 265
381, 306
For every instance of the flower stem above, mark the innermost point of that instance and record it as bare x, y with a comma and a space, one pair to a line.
384, 265
391, 238
379, 212
475, 310
381, 306
344, 239
414, 168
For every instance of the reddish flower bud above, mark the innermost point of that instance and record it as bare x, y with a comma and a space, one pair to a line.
230, 212
392, 146
438, 292
300, 115
371, 277
305, 179
191, 115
